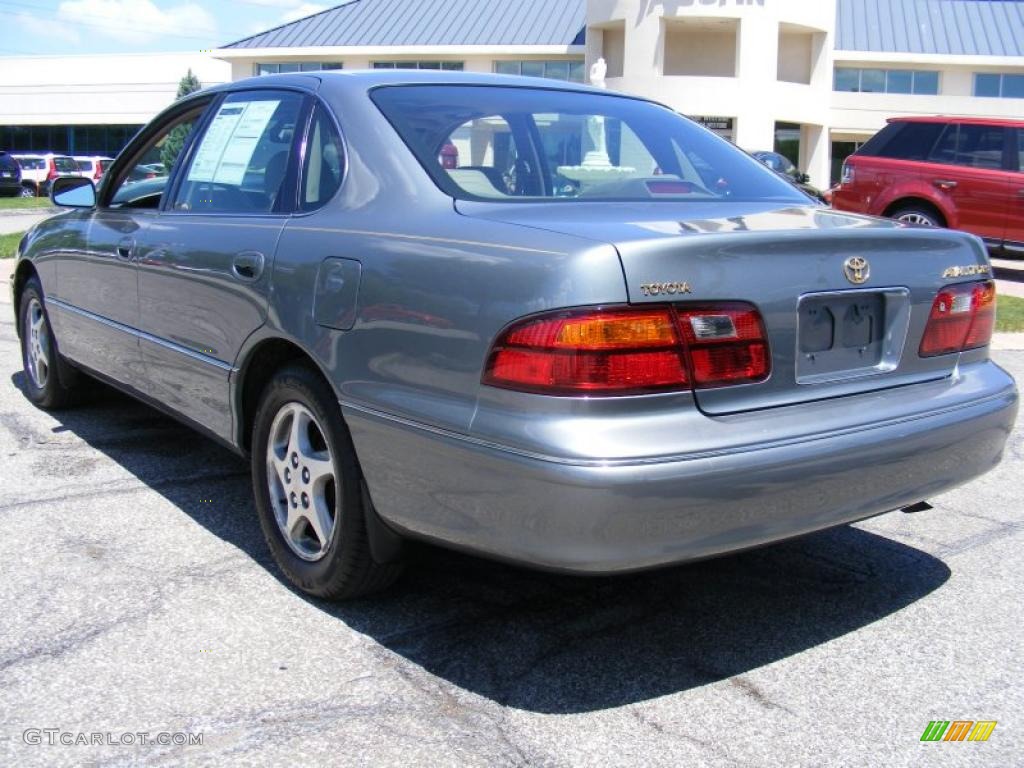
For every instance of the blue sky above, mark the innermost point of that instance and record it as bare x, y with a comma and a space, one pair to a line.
124, 26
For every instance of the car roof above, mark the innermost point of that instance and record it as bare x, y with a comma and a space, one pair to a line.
1010, 122
368, 79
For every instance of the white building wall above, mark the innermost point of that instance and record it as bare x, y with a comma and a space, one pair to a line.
859, 115
755, 98
97, 90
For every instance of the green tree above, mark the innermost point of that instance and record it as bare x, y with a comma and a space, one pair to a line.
176, 138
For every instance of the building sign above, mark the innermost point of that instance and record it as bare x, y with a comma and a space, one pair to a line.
713, 123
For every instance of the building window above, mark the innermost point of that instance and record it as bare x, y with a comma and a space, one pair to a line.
448, 66
67, 139
285, 67
562, 69
999, 86
854, 80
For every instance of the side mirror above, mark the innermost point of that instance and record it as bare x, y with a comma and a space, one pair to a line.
73, 192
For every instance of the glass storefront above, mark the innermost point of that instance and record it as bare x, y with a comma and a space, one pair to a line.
840, 151
105, 140
787, 141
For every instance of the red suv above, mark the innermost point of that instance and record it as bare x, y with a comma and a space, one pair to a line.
964, 173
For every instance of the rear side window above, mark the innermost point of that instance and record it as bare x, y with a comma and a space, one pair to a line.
903, 141
974, 146
324, 164
241, 160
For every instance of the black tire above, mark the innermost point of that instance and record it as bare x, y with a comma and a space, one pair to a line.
346, 568
58, 388
27, 191
921, 215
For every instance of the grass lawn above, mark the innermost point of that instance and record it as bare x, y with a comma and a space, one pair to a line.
8, 243
23, 203
1009, 313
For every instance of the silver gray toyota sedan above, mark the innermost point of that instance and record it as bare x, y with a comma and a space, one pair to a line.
530, 320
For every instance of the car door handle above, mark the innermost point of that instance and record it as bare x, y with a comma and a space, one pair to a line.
248, 265
125, 249
945, 184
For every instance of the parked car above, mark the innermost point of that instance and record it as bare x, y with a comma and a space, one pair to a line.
783, 166
39, 171
10, 176
93, 167
962, 173
145, 172
628, 371
33, 173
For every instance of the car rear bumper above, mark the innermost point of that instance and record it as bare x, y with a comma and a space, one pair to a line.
607, 516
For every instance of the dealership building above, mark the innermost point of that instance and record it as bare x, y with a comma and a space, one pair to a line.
811, 78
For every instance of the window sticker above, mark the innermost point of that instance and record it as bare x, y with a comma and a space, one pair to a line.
230, 142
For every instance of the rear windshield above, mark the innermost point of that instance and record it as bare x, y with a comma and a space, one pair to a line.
31, 163
8, 163
84, 165
512, 144
65, 164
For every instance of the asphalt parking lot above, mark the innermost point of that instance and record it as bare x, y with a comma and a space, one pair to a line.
137, 596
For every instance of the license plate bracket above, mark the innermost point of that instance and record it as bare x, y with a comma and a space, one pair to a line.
849, 334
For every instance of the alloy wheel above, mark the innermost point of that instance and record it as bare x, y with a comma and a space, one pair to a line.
37, 356
916, 217
302, 482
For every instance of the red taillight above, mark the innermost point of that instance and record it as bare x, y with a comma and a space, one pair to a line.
628, 350
51, 170
962, 317
727, 344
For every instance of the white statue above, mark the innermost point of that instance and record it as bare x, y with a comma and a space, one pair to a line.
598, 71
597, 155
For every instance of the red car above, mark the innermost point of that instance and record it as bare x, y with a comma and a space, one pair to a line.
963, 173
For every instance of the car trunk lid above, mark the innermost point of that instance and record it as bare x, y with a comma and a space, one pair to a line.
845, 299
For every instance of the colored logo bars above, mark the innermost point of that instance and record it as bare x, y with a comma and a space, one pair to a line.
958, 730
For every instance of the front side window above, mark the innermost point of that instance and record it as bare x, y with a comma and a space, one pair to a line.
515, 144
143, 183
240, 162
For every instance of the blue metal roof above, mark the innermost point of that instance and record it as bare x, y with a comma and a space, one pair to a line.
953, 27
432, 22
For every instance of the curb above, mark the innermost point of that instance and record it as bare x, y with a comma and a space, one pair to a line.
29, 211
1008, 342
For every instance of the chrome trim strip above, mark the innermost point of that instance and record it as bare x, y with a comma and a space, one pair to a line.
1007, 396
142, 335
423, 238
